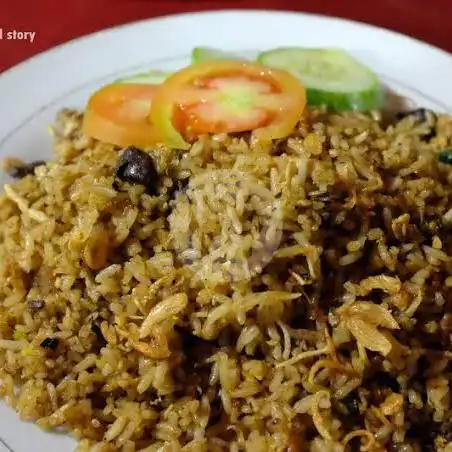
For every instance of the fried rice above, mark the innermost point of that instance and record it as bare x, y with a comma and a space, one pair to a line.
287, 297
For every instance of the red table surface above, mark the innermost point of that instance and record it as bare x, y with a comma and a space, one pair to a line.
57, 21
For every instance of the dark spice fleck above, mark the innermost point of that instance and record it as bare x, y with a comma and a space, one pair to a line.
348, 412
325, 197
446, 431
421, 116
98, 401
178, 187
96, 330
100, 340
50, 343
136, 167
260, 288
351, 402
424, 430
182, 184
20, 171
386, 380
445, 157
278, 147
216, 410
355, 444
429, 227
34, 306
195, 347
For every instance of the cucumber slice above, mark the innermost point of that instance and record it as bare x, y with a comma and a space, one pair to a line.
332, 77
146, 78
201, 54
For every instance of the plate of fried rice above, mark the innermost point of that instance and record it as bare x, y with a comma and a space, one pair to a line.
227, 231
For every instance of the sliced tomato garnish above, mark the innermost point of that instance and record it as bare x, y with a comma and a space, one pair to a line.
119, 114
225, 97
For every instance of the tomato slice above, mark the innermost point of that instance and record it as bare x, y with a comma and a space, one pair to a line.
227, 96
119, 114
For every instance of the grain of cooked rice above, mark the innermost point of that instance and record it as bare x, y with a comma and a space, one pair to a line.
294, 301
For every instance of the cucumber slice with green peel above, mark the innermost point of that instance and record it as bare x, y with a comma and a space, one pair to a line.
332, 77
146, 78
201, 54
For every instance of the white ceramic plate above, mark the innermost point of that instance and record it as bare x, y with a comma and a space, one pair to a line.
34, 91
